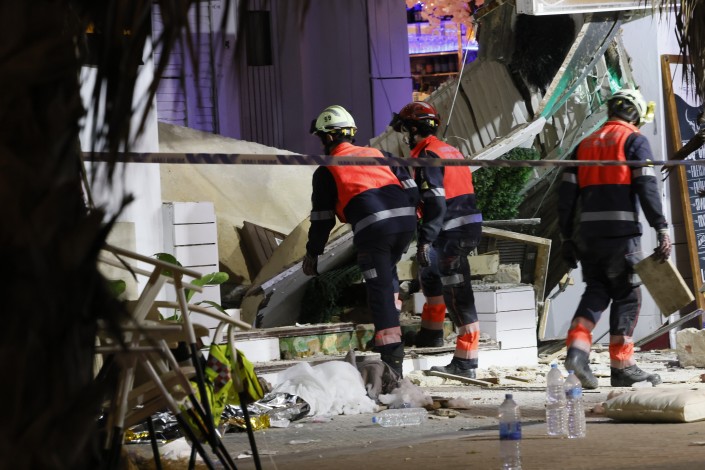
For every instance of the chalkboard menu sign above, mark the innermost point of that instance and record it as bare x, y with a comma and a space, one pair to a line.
683, 109
695, 185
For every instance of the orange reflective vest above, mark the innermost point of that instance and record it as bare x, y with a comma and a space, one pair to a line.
457, 180
609, 205
353, 180
605, 144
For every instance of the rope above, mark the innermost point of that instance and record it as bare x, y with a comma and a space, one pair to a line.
328, 160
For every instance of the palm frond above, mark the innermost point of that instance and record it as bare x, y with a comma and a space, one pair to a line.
690, 34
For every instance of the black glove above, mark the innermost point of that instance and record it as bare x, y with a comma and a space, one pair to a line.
570, 253
663, 250
310, 265
423, 254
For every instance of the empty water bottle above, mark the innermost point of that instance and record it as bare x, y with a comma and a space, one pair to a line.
400, 417
510, 434
556, 414
574, 406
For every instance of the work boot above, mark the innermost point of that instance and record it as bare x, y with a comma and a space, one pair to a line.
630, 375
577, 361
426, 338
457, 367
393, 356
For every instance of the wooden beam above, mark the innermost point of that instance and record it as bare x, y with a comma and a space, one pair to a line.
460, 378
543, 246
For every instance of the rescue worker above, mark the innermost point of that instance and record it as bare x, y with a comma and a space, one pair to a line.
608, 237
383, 218
450, 227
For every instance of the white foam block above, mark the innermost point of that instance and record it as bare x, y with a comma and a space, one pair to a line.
502, 300
493, 323
259, 349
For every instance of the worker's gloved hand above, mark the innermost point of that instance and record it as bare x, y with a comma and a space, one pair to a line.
570, 253
310, 265
423, 254
663, 250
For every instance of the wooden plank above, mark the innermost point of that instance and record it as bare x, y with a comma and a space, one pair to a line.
517, 378
254, 252
293, 331
508, 235
697, 313
544, 309
548, 359
482, 383
668, 64
259, 243
543, 246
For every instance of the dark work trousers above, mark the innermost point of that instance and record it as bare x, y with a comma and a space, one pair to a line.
377, 260
609, 276
449, 275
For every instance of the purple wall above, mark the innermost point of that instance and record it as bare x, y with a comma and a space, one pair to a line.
188, 96
324, 52
389, 61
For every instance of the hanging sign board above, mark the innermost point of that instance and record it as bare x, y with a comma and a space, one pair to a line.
682, 109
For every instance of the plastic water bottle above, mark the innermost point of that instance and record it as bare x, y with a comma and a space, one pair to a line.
510, 434
556, 414
574, 406
400, 417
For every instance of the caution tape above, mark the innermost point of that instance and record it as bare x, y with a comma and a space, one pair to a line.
328, 160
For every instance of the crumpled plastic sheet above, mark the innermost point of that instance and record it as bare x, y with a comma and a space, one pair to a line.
233, 419
166, 429
273, 406
284, 406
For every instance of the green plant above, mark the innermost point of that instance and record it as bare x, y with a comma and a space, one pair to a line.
211, 279
117, 286
498, 188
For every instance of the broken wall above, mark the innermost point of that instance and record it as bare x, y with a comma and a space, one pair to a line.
276, 197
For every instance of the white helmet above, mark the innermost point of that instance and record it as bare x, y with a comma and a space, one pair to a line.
622, 100
334, 119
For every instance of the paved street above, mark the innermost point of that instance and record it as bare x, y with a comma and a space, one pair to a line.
469, 440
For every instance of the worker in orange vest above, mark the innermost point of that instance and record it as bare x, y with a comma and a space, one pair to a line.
383, 217
608, 237
450, 227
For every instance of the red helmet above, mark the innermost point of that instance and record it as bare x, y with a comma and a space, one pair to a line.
418, 112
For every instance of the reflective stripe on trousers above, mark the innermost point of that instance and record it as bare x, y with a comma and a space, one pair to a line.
468, 342
433, 316
621, 352
579, 337
388, 336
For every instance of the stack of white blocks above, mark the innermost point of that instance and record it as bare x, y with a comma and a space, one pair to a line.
191, 235
508, 316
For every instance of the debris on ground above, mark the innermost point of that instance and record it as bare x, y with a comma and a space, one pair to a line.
330, 388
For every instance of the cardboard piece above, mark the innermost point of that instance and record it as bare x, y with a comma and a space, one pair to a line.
665, 284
